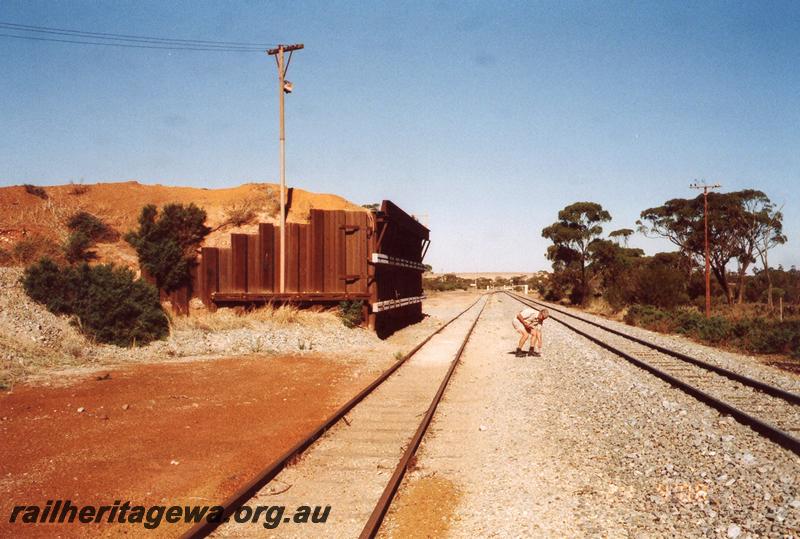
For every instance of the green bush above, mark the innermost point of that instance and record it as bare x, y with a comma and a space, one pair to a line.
86, 231
351, 313
36, 191
167, 242
445, 283
94, 228
110, 304
660, 285
773, 337
715, 330
76, 248
756, 335
56, 287
650, 317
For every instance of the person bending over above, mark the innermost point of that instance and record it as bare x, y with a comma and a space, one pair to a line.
528, 324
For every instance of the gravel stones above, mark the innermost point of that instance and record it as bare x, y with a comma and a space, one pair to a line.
33, 340
590, 445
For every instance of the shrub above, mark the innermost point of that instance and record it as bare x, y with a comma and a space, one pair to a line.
560, 284
110, 304
650, 317
660, 285
36, 191
55, 287
167, 243
78, 189
578, 295
351, 313
714, 330
272, 202
242, 213
76, 248
756, 335
94, 228
445, 283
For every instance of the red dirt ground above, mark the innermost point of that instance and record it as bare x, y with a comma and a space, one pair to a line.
222, 421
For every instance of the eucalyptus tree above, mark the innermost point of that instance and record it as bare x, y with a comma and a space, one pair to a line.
578, 226
739, 224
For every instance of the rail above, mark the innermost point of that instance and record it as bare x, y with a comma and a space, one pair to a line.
761, 426
247, 491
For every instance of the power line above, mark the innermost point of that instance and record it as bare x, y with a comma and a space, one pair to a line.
130, 37
132, 46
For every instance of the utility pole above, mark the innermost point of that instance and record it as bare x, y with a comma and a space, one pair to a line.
284, 87
705, 189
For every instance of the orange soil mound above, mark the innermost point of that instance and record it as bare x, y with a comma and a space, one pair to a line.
25, 215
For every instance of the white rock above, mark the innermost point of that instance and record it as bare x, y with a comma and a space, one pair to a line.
734, 531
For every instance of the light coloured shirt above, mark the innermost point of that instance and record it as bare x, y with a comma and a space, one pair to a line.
530, 316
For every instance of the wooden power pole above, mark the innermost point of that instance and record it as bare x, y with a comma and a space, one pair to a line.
705, 189
284, 87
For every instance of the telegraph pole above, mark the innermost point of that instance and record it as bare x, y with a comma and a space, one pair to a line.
705, 189
284, 87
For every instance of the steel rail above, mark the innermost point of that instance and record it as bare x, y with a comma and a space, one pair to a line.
373, 525
241, 496
794, 398
762, 427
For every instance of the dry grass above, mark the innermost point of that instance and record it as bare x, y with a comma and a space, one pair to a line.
240, 318
29, 249
240, 213
28, 358
249, 210
78, 189
601, 307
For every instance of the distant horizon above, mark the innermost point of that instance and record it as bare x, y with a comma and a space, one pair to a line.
668, 247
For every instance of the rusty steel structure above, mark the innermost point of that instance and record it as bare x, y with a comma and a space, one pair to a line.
373, 256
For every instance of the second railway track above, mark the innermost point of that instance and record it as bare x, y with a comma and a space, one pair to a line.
771, 411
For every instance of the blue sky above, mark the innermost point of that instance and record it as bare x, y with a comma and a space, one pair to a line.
486, 117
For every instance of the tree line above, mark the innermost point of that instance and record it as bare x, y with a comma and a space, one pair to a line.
743, 226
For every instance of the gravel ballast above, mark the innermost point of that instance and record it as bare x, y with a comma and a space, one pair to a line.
739, 363
580, 442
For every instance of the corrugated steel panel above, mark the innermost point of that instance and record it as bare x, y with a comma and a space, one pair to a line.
337, 255
238, 282
253, 264
266, 243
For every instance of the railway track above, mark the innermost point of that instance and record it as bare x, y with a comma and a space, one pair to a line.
769, 410
356, 460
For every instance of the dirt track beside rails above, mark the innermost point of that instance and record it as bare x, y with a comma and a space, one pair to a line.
191, 433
